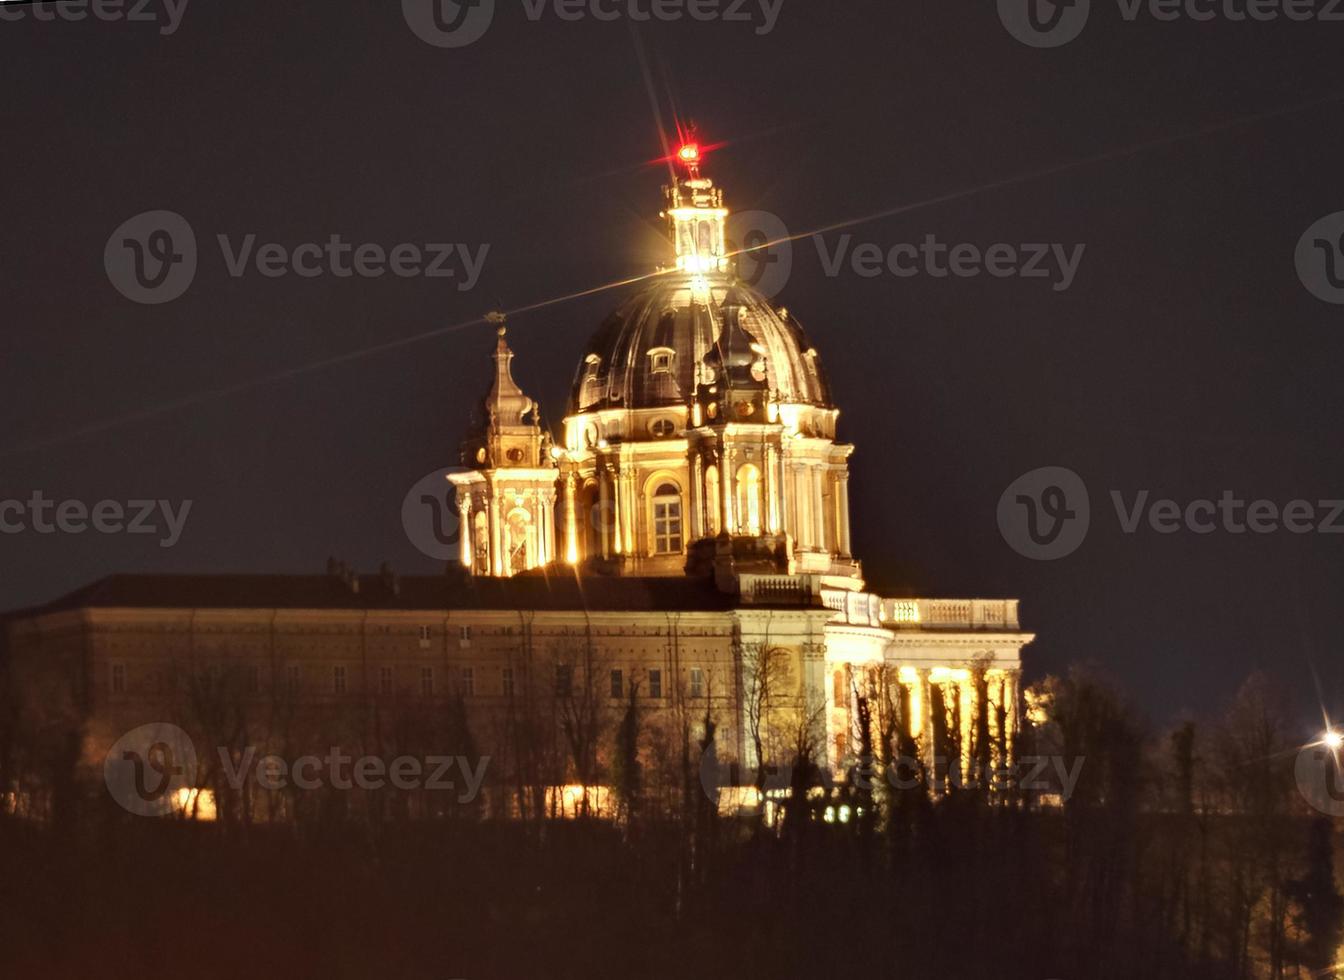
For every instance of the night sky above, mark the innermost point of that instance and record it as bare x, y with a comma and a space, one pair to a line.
1186, 358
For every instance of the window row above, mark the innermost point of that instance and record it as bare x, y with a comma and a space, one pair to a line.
293, 681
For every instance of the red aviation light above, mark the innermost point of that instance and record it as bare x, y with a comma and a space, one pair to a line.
689, 154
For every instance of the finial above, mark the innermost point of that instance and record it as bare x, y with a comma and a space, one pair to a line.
689, 155
500, 321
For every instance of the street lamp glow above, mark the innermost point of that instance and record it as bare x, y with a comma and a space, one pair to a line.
1333, 740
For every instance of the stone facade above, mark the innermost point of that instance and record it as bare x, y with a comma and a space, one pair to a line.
687, 536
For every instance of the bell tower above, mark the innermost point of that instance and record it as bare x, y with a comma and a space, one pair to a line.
506, 496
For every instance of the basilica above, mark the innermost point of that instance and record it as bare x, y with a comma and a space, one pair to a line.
682, 543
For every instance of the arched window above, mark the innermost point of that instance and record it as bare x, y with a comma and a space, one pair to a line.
519, 546
589, 519
704, 244
749, 499
712, 501
667, 536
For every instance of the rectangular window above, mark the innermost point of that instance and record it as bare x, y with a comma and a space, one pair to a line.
427, 681
564, 681
667, 525
468, 682
464, 633
697, 682
385, 680
118, 678
292, 678
338, 680
424, 637
617, 684
506, 681
655, 683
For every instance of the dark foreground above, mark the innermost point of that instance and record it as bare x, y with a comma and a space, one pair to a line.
962, 891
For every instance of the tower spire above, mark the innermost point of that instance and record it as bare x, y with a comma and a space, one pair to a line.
506, 404
506, 497
697, 217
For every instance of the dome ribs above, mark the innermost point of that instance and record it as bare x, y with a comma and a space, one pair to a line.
665, 316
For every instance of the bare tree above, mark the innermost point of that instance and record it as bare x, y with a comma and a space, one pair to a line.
766, 675
216, 701
805, 733
627, 770
582, 709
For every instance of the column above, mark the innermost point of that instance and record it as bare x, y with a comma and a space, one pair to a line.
801, 529
630, 511
618, 512
966, 690
571, 523
926, 739
997, 687
819, 501
547, 526
771, 488
464, 528
496, 564
697, 497
604, 512
728, 483
842, 511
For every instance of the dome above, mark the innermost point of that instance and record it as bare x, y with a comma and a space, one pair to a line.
652, 351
